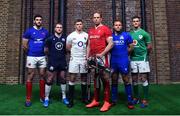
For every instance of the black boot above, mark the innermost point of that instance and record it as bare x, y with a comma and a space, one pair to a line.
71, 96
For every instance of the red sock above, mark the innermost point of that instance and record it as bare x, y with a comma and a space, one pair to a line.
96, 91
28, 90
106, 90
42, 89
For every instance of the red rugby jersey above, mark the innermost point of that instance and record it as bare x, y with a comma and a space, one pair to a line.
97, 37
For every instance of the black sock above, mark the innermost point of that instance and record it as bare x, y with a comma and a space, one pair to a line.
71, 93
84, 91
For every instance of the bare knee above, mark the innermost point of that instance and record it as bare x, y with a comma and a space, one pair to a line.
114, 78
30, 76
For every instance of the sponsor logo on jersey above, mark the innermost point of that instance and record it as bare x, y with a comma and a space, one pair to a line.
119, 42
59, 46
38, 40
94, 36
80, 43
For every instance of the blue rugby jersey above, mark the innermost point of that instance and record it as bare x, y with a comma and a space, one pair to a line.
36, 41
120, 48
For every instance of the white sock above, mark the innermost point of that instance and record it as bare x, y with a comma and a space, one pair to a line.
63, 90
47, 91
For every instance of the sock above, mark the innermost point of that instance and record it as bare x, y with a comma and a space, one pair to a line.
28, 91
84, 91
128, 90
47, 91
71, 92
63, 90
114, 90
106, 90
42, 89
136, 90
96, 89
145, 87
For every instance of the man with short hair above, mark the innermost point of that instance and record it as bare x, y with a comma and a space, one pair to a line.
139, 61
99, 44
33, 45
55, 48
76, 44
123, 45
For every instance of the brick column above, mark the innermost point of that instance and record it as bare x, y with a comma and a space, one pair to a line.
13, 41
161, 41
3, 38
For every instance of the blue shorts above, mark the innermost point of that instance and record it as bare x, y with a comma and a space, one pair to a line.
121, 66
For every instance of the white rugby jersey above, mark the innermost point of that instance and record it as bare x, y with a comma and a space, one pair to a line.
79, 43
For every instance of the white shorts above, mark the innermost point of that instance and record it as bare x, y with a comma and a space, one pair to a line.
77, 65
140, 66
33, 62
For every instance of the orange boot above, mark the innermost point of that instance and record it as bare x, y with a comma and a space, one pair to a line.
94, 103
106, 106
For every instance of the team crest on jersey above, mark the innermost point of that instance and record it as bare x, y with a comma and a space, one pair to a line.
59, 46
51, 68
135, 42
121, 37
80, 43
140, 36
34, 33
63, 39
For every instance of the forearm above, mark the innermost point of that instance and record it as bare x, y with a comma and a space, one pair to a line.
149, 48
25, 44
68, 47
130, 48
108, 48
88, 52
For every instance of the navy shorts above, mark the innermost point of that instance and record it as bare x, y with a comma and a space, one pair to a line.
57, 66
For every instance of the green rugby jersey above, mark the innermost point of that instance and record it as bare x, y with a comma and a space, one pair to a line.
140, 40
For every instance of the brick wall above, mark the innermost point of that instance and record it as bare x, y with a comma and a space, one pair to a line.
161, 24
84, 9
173, 6
161, 41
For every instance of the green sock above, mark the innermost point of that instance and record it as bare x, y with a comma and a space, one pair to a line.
145, 92
136, 91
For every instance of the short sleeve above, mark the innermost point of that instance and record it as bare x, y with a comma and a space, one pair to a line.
69, 39
108, 33
47, 34
129, 39
48, 42
26, 34
147, 38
